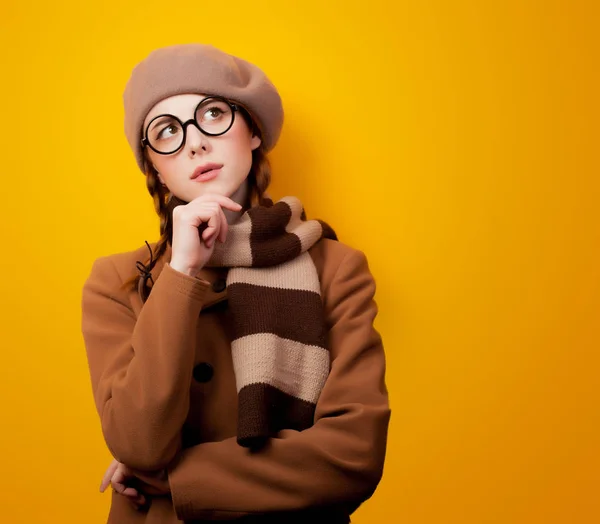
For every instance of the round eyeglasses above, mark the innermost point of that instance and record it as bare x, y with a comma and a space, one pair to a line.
165, 134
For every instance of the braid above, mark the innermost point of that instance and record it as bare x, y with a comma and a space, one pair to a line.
159, 195
163, 207
259, 177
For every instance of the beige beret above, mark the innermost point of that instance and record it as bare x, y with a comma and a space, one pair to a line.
202, 69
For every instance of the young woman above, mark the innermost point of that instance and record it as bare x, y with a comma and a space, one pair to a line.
235, 366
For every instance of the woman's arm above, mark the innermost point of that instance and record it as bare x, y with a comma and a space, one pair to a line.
337, 461
141, 369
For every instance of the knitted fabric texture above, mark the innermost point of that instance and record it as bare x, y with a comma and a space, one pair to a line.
279, 347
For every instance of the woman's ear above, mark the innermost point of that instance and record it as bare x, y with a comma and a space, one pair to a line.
255, 142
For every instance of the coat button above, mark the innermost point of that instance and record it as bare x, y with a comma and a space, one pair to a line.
203, 372
219, 285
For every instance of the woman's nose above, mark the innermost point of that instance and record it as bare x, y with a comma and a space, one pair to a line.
196, 141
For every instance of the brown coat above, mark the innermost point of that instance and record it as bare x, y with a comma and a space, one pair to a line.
164, 387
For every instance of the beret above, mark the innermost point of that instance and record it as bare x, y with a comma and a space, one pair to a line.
203, 69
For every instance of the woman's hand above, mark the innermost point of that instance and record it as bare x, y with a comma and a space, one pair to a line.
118, 475
191, 250
121, 476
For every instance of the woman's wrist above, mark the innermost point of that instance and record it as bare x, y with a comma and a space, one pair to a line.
183, 268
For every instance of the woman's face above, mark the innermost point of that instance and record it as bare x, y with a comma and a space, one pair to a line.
230, 154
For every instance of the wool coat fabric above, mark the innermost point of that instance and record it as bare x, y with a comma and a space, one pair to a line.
164, 386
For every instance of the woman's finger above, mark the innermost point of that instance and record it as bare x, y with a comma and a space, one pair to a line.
222, 200
119, 480
118, 475
214, 226
224, 226
131, 492
108, 475
123, 489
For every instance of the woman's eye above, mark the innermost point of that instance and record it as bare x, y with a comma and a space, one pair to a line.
167, 132
213, 112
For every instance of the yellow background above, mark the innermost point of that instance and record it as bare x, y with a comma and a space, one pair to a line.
456, 143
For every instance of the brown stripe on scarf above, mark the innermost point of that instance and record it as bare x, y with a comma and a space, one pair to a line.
290, 413
288, 313
270, 242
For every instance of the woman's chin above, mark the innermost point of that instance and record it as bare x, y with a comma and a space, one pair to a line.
218, 187
215, 189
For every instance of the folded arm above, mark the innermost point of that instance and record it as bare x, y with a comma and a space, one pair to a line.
141, 369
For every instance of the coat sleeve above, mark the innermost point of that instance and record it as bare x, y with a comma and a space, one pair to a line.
141, 369
338, 461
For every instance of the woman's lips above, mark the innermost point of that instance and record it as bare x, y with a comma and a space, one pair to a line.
209, 175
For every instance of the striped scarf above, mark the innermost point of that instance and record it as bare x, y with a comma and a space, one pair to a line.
279, 348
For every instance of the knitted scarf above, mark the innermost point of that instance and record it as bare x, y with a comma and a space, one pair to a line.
279, 349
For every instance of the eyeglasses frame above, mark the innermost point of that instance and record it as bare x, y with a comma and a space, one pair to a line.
234, 108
